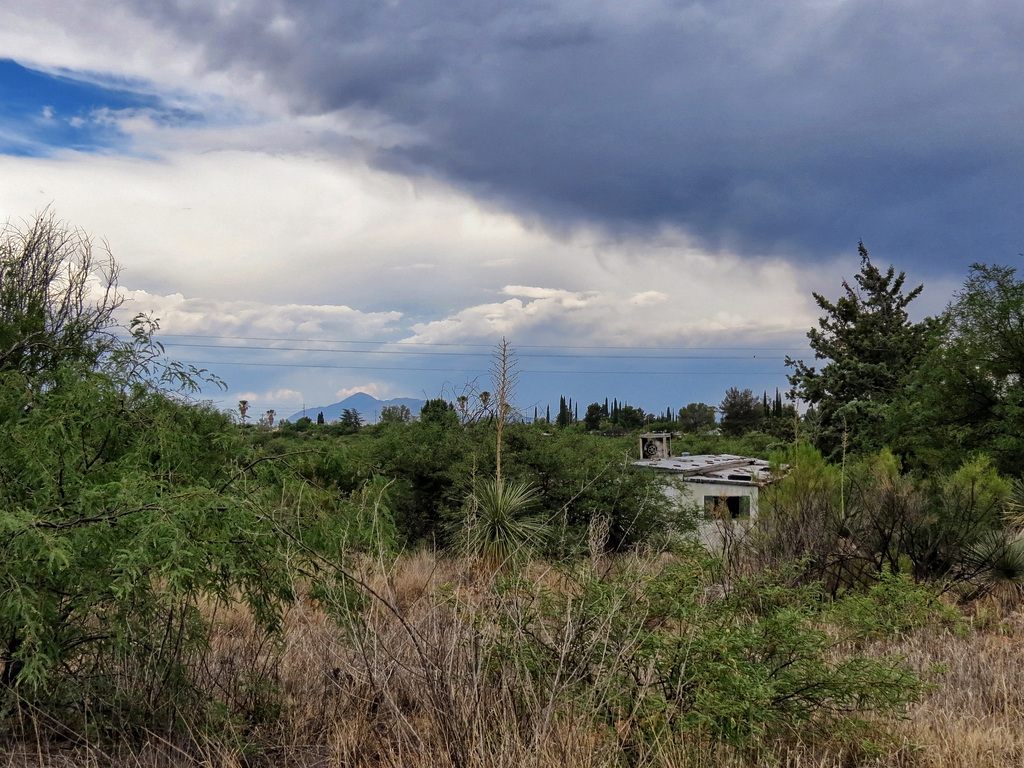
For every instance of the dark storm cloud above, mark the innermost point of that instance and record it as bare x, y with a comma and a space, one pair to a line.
795, 127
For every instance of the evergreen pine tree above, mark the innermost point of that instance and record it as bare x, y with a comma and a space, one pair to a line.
871, 349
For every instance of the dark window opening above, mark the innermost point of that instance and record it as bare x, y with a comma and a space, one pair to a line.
727, 507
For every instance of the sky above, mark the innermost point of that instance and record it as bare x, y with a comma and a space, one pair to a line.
317, 199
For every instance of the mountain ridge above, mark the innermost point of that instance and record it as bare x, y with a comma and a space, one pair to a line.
368, 406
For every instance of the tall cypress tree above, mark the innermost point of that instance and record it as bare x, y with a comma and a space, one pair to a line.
563, 419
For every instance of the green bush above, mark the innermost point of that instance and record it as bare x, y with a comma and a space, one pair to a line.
660, 657
893, 606
121, 511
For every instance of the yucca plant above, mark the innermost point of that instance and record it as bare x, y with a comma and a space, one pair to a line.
1014, 509
997, 558
499, 527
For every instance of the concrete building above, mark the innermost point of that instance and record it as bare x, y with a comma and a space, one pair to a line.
725, 485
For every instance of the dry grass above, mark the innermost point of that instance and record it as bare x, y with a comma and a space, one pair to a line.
972, 718
412, 680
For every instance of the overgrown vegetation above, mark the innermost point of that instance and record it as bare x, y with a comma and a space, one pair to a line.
469, 589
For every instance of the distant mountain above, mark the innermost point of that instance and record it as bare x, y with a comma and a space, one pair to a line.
369, 408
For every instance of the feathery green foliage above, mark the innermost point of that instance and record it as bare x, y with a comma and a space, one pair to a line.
659, 657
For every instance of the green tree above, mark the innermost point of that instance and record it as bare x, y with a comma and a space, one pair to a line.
871, 349
395, 414
741, 411
564, 418
697, 417
592, 418
439, 411
781, 419
629, 417
968, 395
847, 525
57, 297
350, 417
124, 508
430, 462
121, 510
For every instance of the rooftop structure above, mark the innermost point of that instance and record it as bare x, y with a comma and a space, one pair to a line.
713, 468
719, 481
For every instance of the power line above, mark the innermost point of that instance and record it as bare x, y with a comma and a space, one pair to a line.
429, 344
477, 370
476, 354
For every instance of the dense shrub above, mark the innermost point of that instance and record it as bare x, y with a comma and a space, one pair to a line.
659, 656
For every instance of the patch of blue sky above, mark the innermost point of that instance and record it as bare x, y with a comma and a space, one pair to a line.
41, 112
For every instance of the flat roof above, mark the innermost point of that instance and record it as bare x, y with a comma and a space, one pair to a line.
713, 468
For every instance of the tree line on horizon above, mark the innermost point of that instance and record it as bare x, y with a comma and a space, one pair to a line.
934, 391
